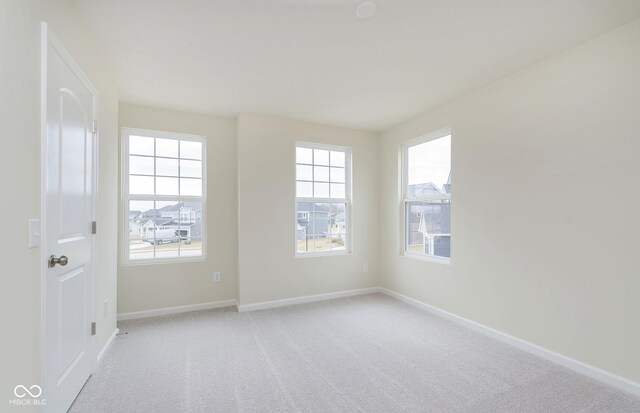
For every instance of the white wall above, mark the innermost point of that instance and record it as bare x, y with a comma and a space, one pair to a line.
149, 287
20, 171
268, 268
545, 220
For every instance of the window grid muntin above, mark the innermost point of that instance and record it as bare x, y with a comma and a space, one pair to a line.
127, 197
346, 166
329, 166
406, 201
429, 242
329, 234
179, 177
180, 228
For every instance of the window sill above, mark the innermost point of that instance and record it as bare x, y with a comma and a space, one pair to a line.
162, 261
428, 258
321, 254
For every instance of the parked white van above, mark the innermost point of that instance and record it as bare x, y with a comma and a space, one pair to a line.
163, 236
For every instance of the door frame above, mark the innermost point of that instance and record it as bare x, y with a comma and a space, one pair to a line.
49, 39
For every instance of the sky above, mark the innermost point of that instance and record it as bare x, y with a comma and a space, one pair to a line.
430, 162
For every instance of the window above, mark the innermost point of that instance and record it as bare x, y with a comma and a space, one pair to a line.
427, 195
322, 198
164, 196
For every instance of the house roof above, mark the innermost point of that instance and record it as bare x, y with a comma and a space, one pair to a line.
168, 222
424, 189
160, 222
150, 213
312, 207
196, 206
171, 208
435, 218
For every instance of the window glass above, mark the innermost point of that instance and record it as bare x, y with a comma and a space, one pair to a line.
190, 150
429, 228
141, 145
191, 169
320, 227
320, 157
141, 165
304, 156
190, 187
337, 158
429, 167
167, 147
141, 185
164, 197
304, 189
323, 199
321, 190
427, 197
167, 167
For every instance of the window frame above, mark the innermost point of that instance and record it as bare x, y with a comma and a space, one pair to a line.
405, 201
346, 200
126, 197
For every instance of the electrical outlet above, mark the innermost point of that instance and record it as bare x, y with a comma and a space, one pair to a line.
105, 308
216, 277
365, 267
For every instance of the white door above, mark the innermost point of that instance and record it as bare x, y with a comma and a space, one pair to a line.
67, 224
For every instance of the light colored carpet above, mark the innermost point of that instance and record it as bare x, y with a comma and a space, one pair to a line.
362, 354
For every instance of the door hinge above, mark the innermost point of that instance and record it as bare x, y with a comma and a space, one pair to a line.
94, 226
93, 328
94, 126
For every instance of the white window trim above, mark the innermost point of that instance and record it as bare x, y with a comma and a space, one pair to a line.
125, 197
346, 200
405, 201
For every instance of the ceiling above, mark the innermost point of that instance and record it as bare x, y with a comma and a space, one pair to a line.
315, 60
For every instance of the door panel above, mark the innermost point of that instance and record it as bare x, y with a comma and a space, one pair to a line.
72, 167
68, 213
73, 329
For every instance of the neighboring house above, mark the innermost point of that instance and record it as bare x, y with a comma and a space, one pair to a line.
428, 188
338, 225
317, 220
183, 217
191, 212
312, 220
430, 223
447, 187
150, 214
149, 228
187, 231
170, 211
418, 190
134, 224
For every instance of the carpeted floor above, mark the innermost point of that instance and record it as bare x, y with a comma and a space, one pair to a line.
362, 354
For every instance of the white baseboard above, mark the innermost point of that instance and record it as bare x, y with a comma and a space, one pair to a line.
176, 310
107, 346
575, 365
305, 299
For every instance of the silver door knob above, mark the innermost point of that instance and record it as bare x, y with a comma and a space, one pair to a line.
62, 261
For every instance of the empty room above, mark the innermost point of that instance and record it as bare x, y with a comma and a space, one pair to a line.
320, 206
